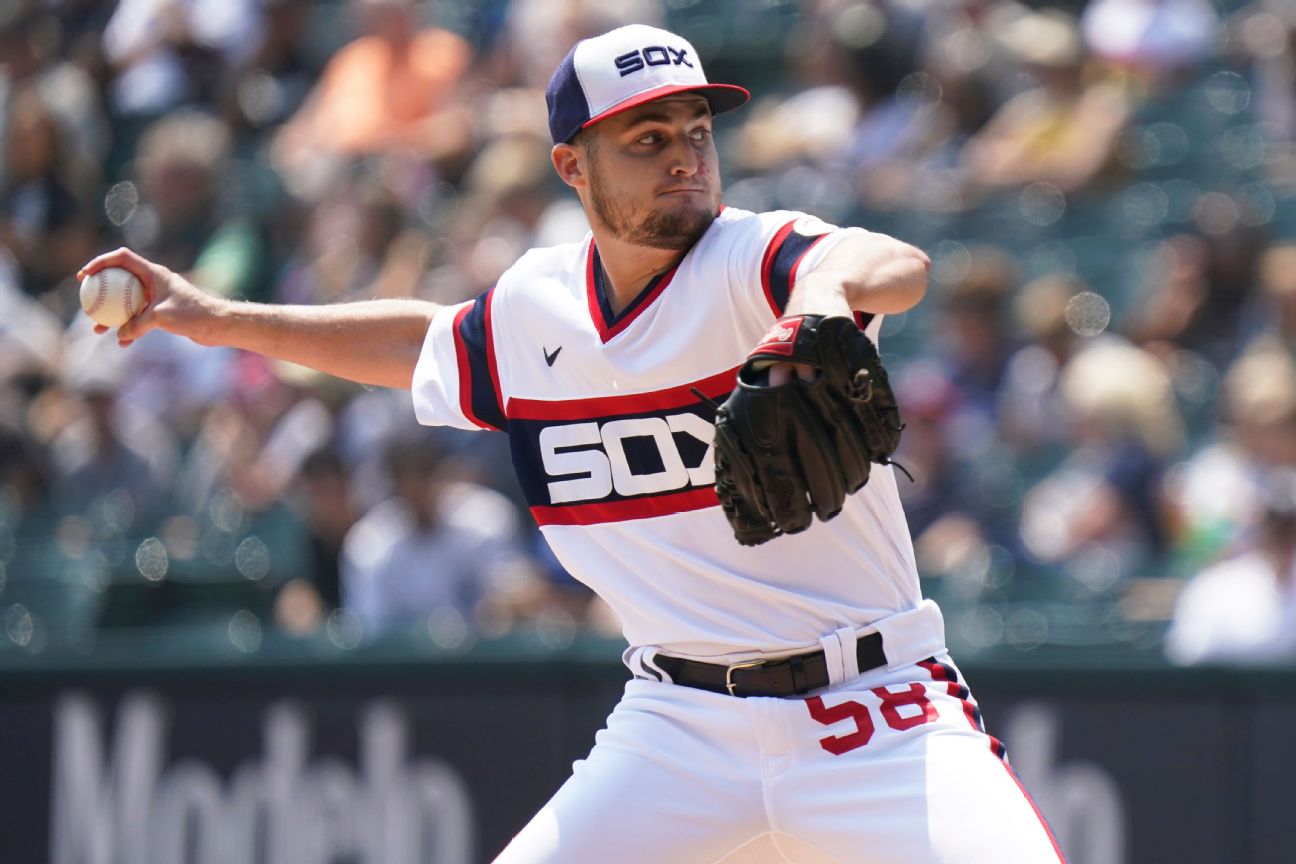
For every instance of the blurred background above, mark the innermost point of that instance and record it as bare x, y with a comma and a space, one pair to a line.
1100, 386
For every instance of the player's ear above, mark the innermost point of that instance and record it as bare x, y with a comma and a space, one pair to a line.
569, 162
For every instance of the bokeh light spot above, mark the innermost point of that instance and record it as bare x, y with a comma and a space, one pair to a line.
121, 202
151, 560
1145, 204
447, 628
19, 626
1042, 203
252, 558
344, 629
245, 631
1228, 93
1088, 314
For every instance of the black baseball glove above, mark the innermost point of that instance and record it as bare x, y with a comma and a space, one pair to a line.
785, 454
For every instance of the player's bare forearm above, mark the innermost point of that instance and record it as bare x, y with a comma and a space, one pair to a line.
869, 273
374, 342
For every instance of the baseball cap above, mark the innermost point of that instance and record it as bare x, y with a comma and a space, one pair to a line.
623, 68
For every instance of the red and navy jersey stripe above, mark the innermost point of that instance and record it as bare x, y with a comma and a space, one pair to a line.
649, 449
779, 265
479, 389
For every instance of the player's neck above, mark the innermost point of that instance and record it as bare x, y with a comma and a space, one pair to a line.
627, 268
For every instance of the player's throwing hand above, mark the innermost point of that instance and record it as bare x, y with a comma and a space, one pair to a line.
171, 302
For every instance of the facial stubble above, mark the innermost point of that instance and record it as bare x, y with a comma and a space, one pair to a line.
677, 229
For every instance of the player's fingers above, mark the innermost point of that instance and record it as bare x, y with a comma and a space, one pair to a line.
137, 326
123, 257
781, 373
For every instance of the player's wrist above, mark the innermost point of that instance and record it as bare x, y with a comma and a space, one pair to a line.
206, 318
819, 294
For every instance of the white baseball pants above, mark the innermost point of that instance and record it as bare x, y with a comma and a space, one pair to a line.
893, 767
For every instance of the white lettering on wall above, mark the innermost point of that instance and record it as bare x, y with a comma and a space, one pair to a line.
1081, 801
128, 806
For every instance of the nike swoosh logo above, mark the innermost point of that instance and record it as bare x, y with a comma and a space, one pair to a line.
550, 358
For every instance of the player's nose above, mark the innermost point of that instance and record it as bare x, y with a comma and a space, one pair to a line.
685, 160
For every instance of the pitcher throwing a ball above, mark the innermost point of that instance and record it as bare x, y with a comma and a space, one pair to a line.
792, 697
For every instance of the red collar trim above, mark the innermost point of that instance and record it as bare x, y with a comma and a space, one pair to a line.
610, 326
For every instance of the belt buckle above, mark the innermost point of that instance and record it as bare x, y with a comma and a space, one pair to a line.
747, 664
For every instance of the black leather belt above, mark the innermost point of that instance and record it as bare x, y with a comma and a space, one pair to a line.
787, 676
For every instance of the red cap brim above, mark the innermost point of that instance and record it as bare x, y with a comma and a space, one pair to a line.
723, 97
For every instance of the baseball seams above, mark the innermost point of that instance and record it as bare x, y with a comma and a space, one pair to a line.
128, 297
101, 297
111, 285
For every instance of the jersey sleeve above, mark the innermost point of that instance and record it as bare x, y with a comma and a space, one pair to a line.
456, 380
772, 250
775, 249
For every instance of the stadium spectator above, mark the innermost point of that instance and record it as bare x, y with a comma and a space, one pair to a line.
1243, 609
186, 218
1265, 31
253, 439
1195, 298
392, 91
507, 207
45, 218
352, 247
1277, 292
850, 60
976, 333
535, 34
1156, 41
435, 547
110, 464
24, 481
1101, 514
1062, 131
1030, 400
1216, 492
273, 81
321, 496
962, 77
947, 513
24, 43
169, 53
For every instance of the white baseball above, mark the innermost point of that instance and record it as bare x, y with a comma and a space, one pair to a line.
112, 296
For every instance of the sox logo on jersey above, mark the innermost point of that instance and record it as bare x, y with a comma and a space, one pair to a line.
620, 457
595, 456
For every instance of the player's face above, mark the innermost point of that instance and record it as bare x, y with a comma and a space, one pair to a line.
653, 174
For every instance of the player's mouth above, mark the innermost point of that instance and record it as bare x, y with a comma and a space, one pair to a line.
689, 190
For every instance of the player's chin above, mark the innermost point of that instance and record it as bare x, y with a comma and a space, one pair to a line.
677, 228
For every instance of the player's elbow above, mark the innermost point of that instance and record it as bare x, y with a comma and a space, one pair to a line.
393, 355
915, 265
895, 280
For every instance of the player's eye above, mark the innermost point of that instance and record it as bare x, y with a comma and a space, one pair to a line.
700, 134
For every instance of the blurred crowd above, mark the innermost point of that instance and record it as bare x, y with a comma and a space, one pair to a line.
1100, 387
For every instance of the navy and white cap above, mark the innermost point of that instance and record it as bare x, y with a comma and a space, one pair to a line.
624, 68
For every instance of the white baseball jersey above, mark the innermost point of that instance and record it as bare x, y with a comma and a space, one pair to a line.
613, 446
613, 449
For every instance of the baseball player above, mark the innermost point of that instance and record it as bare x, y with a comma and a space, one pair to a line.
792, 698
